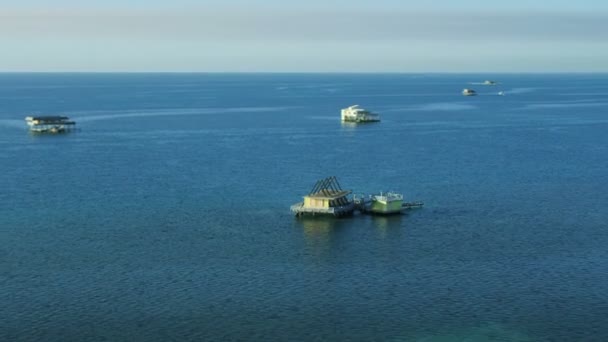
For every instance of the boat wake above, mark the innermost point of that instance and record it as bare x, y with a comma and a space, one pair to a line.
444, 107
12, 123
433, 107
176, 112
520, 90
565, 105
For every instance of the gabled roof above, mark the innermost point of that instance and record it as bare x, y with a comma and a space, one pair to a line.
329, 194
328, 188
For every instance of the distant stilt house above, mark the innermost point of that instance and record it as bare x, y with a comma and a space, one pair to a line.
325, 198
358, 114
49, 124
469, 92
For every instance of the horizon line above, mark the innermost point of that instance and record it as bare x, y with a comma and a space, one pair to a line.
291, 72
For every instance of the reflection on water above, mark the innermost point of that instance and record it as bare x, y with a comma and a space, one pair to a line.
320, 233
349, 125
386, 224
317, 232
489, 332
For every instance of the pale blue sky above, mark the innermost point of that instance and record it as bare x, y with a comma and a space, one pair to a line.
316, 35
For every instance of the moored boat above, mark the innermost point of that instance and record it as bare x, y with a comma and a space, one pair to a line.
386, 203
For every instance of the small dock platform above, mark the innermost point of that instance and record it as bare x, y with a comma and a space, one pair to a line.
412, 205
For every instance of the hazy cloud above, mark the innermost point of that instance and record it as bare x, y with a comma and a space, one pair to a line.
281, 39
306, 25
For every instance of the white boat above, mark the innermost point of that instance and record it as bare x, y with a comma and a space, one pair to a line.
358, 114
488, 82
501, 93
469, 92
386, 203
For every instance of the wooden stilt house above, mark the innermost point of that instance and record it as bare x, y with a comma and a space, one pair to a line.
325, 198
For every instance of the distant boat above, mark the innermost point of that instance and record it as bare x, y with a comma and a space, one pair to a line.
487, 82
469, 92
358, 114
501, 93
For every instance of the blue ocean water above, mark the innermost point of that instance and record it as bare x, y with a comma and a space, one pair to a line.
166, 216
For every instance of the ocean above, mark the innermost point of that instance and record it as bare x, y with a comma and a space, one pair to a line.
165, 216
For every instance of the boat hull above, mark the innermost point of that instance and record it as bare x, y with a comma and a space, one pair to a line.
361, 120
386, 208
